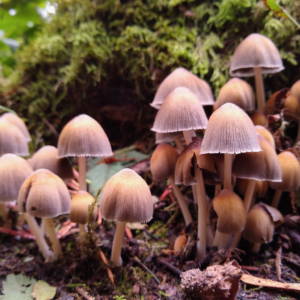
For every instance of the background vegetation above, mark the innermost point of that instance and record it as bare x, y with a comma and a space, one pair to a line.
107, 57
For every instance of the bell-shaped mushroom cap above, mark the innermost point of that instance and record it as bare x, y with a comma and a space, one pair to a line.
12, 139
229, 210
14, 170
258, 118
180, 111
290, 172
46, 158
182, 77
184, 170
295, 89
263, 131
260, 188
255, 50
83, 136
162, 163
260, 223
236, 91
126, 197
230, 130
17, 121
44, 195
80, 205
263, 165
166, 137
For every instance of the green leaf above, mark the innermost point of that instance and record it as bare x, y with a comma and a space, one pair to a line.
17, 287
272, 5
43, 291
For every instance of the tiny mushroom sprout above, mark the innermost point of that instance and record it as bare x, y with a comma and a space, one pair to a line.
229, 131
126, 197
181, 111
261, 222
182, 77
162, 166
290, 176
236, 91
17, 121
45, 195
254, 56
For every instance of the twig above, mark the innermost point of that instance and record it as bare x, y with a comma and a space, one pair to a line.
278, 263
50, 126
83, 293
250, 268
151, 235
169, 221
109, 272
169, 266
145, 268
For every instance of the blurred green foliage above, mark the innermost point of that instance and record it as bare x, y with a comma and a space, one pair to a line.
93, 49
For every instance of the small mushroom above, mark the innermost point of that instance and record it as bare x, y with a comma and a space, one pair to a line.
258, 118
180, 243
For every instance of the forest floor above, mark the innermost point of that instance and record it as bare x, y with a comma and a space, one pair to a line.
151, 269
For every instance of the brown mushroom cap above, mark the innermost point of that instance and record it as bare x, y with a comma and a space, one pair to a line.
258, 118
17, 121
80, 205
14, 170
211, 178
126, 198
260, 223
295, 89
263, 131
12, 139
180, 111
166, 137
255, 50
290, 172
182, 77
236, 91
263, 165
83, 136
260, 188
184, 170
44, 195
230, 130
46, 158
162, 163
180, 243
229, 209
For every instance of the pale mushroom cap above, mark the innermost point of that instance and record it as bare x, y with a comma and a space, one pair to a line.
182, 77
166, 137
14, 170
184, 170
230, 211
295, 89
44, 195
163, 161
258, 118
126, 197
236, 91
12, 139
260, 189
255, 50
230, 130
83, 136
263, 131
80, 205
46, 158
290, 172
180, 111
263, 165
17, 121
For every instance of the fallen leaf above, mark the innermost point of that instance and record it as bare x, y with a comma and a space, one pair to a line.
43, 291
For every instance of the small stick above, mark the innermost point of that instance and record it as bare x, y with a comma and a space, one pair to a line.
278, 263
169, 266
145, 268
83, 293
109, 272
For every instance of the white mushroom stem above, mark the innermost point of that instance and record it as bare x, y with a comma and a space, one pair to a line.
220, 239
82, 172
202, 213
256, 247
53, 237
40, 240
82, 233
44, 227
210, 235
179, 144
182, 204
228, 158
117, 244
259, 86
218, 188
276, 198
188, 135
4, 211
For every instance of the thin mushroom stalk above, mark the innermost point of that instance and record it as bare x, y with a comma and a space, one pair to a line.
117, 244
178, 144
228, 158
53, 237
4, 212
82, 172
276, 198
259, 85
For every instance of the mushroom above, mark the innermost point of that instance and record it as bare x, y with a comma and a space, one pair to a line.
162, 166
17, 121
45, 195
182, 77
295, 89
263, 131
169, 137
180, 243
125, 198
258, 118
290, 176
254, 56
236, 91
